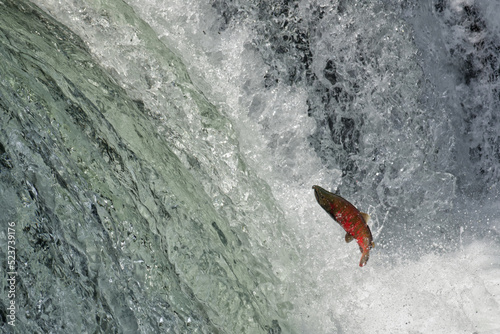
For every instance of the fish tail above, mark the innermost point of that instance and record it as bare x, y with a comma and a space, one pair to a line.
364, 258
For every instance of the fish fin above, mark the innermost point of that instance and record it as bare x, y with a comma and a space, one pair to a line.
364, 258
348, 237
365, 216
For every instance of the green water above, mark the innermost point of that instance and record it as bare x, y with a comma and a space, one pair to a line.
115, 231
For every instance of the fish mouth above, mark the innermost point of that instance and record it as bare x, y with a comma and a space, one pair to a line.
316, 193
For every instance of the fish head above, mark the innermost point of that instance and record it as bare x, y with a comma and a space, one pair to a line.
323, 197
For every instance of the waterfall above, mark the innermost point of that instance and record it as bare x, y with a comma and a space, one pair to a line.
157, 159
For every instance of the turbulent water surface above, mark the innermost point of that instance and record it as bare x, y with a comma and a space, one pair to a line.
157, 159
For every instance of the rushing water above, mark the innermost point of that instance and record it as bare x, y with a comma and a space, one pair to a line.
157, 158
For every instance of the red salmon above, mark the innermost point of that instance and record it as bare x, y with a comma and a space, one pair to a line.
351, 219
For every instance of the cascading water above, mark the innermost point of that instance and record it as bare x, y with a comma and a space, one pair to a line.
158, 162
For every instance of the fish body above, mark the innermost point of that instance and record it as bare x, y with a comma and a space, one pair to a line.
351, 219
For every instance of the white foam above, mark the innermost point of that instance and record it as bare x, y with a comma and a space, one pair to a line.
448, 293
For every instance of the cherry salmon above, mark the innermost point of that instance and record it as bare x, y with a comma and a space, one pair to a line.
351, 219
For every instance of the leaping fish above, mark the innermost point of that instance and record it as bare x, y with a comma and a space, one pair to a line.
351, 219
